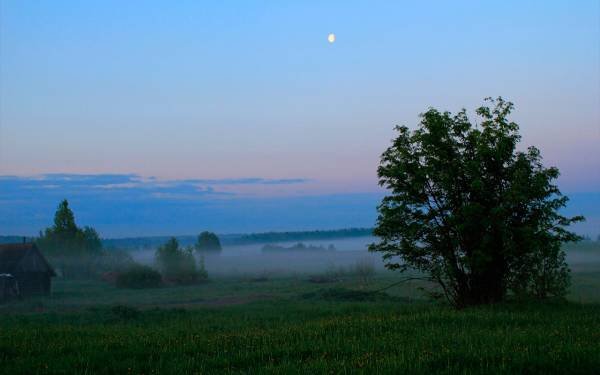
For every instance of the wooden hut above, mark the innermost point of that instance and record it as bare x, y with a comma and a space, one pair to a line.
28, 266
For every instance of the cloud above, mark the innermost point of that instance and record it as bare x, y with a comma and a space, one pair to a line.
128, 204
124, 205
125, 186
249, 181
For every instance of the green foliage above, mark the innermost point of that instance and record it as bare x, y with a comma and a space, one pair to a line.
469, 210
64, 221
138, 276
208, 242
91, 240
66, 238
176, 264
71, 249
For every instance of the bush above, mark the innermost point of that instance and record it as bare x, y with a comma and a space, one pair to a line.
139, 277
178, 265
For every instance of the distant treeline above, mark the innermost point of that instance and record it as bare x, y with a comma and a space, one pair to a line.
299, 247
257, 238
302, 236
239, 239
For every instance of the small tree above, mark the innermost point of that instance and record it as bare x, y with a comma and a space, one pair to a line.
208, 242
176, 264
470, 211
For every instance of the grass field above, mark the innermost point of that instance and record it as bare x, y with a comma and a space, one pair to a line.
288, 325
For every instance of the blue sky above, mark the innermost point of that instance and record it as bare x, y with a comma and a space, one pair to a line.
229, 90
129, 205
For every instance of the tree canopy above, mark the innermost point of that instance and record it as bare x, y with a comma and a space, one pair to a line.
208, 242
66, 238
176, 264
470, 211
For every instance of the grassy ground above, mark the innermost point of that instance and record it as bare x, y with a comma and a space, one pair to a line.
288, 325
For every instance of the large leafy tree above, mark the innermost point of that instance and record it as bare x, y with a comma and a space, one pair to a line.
470, 211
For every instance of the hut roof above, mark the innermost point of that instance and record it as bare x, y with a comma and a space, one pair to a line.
11, 255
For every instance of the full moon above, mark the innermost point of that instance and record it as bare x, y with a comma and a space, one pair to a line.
331, 37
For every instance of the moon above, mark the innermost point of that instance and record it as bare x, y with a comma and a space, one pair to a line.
331, 37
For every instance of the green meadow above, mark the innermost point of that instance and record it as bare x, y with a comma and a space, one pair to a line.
291, 325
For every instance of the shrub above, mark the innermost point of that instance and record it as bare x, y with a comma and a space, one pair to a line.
177, 265
139, 277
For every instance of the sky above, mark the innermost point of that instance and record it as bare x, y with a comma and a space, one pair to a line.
240, 116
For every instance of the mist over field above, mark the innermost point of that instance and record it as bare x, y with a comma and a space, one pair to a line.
250, 260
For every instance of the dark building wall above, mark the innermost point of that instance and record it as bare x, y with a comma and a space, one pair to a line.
33, 283
28, 266
8, 289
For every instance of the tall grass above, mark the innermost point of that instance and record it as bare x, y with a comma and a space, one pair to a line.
293, 336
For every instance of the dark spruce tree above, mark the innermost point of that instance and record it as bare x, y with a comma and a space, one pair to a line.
208, 242
469, 211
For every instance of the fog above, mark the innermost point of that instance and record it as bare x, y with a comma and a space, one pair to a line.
250, 260
583, 261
